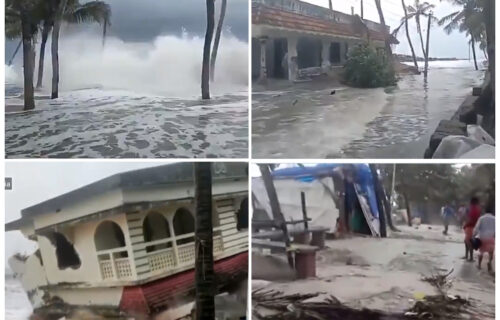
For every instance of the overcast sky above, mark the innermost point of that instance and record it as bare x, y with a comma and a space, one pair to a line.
34, 182
441, 44
144, 20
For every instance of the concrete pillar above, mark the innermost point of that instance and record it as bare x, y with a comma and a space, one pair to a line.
263, 62
325, 56
292, 59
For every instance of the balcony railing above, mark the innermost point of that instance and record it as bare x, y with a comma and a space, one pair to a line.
114, 264
166, 259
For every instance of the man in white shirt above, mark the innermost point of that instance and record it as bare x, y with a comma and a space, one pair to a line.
485, 231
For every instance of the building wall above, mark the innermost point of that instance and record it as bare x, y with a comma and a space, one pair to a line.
82, 237
80, 209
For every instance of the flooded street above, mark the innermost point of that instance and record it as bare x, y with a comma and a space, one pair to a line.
95, 123
359, 123
386, 274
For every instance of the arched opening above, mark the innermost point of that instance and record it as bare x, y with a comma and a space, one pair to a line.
242, 215
66, 255
155, 227
109, 235
183, 224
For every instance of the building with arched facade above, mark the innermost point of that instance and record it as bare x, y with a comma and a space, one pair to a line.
125, 244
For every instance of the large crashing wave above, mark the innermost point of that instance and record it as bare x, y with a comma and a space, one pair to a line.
168, 66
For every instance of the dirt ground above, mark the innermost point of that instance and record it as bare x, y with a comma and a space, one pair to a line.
386, 274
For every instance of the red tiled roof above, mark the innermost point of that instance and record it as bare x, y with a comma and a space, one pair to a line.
267, 15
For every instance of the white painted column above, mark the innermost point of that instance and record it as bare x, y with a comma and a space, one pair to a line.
292, 59
325, 55
263, 60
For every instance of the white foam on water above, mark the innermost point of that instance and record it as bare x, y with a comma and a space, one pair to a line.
17, 305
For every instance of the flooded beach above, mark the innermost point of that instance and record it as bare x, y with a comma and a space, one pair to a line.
360, 273
307, 119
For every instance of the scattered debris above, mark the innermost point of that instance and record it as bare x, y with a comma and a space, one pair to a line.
440, 281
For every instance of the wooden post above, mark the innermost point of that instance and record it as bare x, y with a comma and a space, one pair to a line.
304, 210
275, 206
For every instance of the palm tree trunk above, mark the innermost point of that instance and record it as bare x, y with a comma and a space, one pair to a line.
408, 35
205, 72
330, 4
104, 31
388, 49
55, 48
419, 28
45, 36
407, 203
28, 61
489, 18
204, 260
427, 47
217, 39
473, 45
15, 52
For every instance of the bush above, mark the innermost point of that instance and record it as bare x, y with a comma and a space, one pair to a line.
367, 69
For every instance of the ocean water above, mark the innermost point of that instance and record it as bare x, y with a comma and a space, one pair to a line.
133, 100
306, 121
17, 305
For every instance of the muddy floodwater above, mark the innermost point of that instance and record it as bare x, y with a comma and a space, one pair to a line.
386, 274
306, 121
96, 123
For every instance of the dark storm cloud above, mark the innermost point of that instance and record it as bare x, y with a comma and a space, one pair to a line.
143, 20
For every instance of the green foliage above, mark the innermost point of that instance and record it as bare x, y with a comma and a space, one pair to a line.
367, 69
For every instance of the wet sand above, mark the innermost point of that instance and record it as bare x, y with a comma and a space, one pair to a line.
305, 121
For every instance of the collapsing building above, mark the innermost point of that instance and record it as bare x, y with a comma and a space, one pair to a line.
292, 39
125, 244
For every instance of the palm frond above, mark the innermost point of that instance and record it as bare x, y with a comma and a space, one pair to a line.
90, 12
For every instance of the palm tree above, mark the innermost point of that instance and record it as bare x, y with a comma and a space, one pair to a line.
330, 4
204, 260
404, 21
468, 19
21, 19
417, 11
205, 71
90, 12
217, 39
56, 29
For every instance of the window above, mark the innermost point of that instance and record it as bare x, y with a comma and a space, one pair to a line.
155, 227
67, 257
335, 52
242, 215
183, 224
